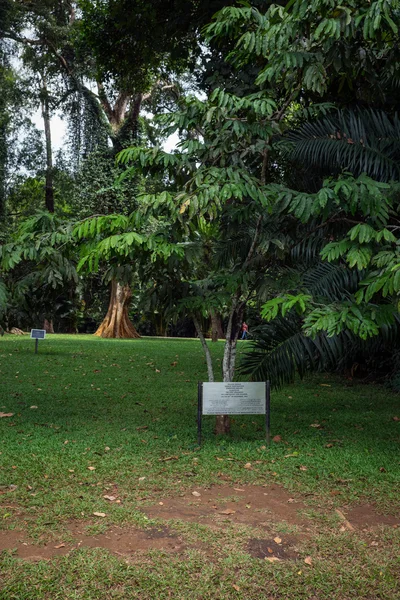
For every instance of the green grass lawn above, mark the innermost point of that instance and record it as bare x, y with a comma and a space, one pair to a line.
93, 415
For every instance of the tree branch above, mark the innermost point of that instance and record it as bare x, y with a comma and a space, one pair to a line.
206, 349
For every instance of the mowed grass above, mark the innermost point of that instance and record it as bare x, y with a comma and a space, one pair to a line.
93, 415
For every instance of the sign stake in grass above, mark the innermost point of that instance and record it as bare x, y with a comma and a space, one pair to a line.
38, 334
234, 398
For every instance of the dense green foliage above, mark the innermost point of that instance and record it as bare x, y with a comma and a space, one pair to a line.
280, 203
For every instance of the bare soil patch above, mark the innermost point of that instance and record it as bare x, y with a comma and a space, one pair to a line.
126, 540
118, 540
366, 517
26, 549
251, 505
254, 506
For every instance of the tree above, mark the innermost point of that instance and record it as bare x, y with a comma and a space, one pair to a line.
295, 68
39, 263
53, 39
218, 190
346, 55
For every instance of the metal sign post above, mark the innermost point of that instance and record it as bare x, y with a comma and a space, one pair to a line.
268, 411
234, 398
199, 410
38, 334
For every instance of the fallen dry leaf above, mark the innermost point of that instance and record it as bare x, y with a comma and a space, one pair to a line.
161, 503
247, 466
158, 371
142, 478
308, 560
33, 407
272, 559
238, 490
303, 468
92, 468
277, 438
197, 494
99, 514
291, 500
277, 540
396, 419
2, 415
110, 498
59, 546
107, 449
374, 544
316, 425
228, 511
270, 550
328, 445
236, 587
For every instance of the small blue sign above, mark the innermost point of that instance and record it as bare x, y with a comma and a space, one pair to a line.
38, 334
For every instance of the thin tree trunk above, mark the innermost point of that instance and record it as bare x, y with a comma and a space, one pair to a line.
161, 326
222, 422
116, 323
206, 349
217, 331
3, 165
49, 189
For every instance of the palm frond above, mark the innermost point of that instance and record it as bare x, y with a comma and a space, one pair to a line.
333, 281
281, 351
352, 140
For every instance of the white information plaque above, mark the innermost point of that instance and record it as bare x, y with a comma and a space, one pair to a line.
234, 398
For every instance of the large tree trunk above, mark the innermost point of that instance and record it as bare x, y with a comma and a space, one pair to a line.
116, 323
48, 326
217, 331
49, 190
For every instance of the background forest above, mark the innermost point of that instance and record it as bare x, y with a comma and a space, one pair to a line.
223, 162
